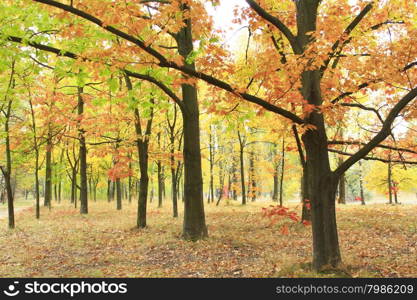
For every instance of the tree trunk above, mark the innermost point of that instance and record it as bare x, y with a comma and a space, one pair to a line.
38, 213
8, 171
321, 187
129, 186
281, 182
143, 183
160, 183
252, 181
390, 180
118, 194
48, 171
211, 161
342, 186
194, 227
83, 157
361, 183
275, 188
321, 182
242, 169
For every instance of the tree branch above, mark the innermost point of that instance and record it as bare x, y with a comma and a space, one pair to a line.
346, 32
356, 143
381, 135
72, 55
373, 158
277, 23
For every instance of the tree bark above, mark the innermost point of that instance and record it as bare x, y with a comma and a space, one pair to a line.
361, 183
342, 186
242, 168
142, 144
48, 171
390, 180
281, 182
211, 161
7, 173
118, 194
194, 226
83, 157
252, 180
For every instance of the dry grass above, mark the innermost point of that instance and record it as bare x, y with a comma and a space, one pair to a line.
376, 241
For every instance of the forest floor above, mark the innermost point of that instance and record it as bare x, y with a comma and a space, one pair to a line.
19, 206
377, 240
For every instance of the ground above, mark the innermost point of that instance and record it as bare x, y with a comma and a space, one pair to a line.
377, 240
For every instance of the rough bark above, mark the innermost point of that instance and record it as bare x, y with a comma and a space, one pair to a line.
342, 186
194, 226
48, 170
82, 157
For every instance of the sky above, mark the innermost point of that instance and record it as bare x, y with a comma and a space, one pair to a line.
223, 17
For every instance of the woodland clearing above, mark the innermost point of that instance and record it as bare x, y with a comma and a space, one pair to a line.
242, 243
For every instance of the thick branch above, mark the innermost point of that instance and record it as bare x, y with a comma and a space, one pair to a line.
277, 23
355, 143
72, 55
381, 135
374, 158
348, 30
366, 84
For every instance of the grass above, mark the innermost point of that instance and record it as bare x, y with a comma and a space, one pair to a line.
376, 241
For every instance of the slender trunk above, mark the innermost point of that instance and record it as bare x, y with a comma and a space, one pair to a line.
361, 183
83, 157
36, 148
275, 188
143, 183
142, 144
8, 171
211, 161
281, 182
160, 183
73, 183
108, 190
112, 190
129, 186
242, 169
48, 171
95, 191
221, 183
174, 177
252, 181
38, 214
234, 180
342, 186
59, 191
118, 194
390, 180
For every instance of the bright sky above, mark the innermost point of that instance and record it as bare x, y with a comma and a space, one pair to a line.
223, 17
